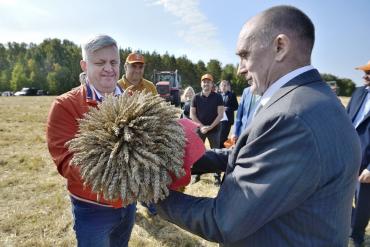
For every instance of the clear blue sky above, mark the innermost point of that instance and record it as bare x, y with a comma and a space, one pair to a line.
199, 29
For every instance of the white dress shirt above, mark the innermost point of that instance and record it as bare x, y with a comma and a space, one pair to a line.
100, 97
278, 84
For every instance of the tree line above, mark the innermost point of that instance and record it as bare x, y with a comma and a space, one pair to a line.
54, 66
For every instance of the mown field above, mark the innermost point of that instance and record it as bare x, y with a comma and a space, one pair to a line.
34, 205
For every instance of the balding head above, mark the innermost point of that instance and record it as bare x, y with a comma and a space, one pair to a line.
286, 20
273, 43
291, 21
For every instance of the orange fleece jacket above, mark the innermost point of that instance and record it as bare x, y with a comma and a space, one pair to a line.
62, 126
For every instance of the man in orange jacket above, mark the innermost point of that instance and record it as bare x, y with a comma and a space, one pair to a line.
99, 222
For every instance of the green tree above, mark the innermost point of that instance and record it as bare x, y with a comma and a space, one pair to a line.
152, 61
5, 76
16, 53
187, 71
19, 77
238, 83
169, 62
58, 80
345, 86
214, 67
36, 79
54, 65
200, 69
228, 73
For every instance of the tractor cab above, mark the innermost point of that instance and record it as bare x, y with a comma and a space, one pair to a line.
168, 84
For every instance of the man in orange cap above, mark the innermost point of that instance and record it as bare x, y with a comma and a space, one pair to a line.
207, 109
133, 79
359, 112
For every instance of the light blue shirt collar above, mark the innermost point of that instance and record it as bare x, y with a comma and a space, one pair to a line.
117, 91
364, 109
281, 82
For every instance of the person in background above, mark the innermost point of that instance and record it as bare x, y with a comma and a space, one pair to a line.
133, 79
231, 105
207, 110
290, 179
186, 98
359, 111
245, 111
97, 222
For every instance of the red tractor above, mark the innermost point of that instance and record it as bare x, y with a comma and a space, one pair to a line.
168, 85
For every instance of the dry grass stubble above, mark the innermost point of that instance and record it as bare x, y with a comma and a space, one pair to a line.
34, 204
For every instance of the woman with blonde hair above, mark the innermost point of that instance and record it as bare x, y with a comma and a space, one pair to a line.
186, 98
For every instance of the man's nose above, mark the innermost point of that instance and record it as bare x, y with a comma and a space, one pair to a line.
137, 68
241, 70
108, 67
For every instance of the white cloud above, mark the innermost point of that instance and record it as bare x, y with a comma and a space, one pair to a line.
194, 27
21, 15
8, 2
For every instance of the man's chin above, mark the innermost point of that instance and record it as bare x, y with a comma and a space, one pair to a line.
252, 86
109, 83
111, 80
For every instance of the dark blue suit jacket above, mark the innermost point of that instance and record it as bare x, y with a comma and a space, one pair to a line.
231, 105
290, 178
363, 129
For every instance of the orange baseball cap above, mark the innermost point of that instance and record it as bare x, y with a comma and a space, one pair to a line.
207, 76
135, 58
365, 67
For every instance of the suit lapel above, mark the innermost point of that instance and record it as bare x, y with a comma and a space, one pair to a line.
365, 118
363, 97
357, 102
302, 79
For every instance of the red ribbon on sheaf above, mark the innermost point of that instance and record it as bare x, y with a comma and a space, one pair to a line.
194, 149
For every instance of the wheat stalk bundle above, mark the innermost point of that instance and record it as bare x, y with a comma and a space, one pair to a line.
127, 146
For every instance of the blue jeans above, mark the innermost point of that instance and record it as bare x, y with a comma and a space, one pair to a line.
102, 226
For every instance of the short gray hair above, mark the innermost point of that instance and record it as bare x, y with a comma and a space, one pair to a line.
96, 43
285, 18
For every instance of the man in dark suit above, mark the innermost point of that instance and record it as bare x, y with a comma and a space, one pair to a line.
231, 105
290, 179
359, 112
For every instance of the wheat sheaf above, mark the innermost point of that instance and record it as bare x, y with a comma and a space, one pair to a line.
126, 147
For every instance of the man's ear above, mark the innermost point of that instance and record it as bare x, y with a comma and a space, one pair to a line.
83, 65
282, 46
